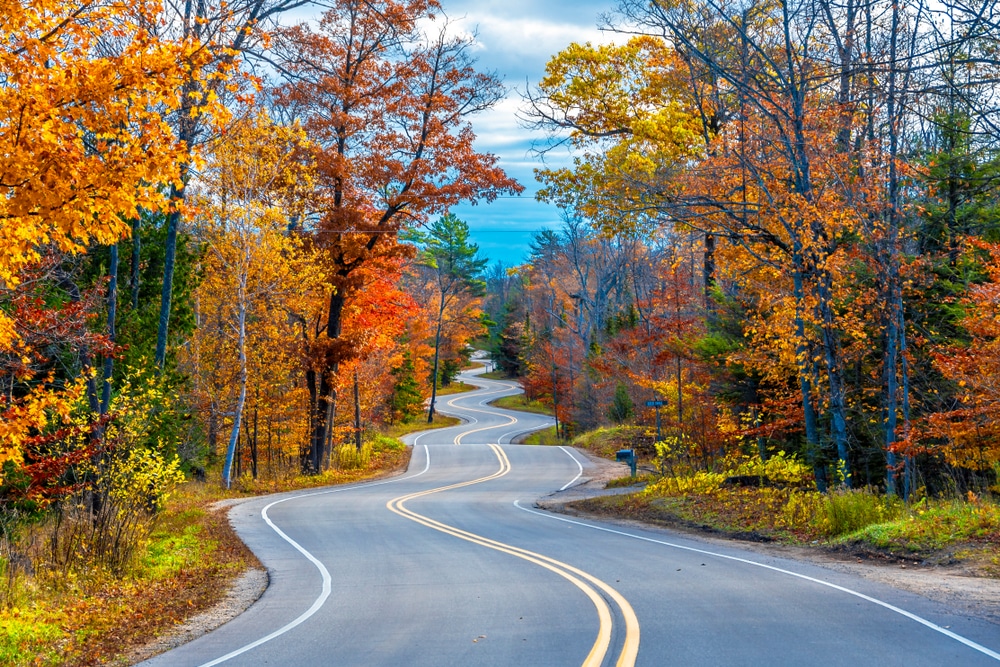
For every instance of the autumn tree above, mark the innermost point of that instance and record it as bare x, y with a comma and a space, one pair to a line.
446, 252
388, 106
254, 269
86, 144
968, 427
226, 35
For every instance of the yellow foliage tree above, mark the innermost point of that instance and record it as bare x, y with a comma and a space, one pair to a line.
256, 271
83, 144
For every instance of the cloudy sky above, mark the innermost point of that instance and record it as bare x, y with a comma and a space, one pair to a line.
516, 38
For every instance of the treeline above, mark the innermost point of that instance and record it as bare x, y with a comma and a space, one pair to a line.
782, 221
203, 268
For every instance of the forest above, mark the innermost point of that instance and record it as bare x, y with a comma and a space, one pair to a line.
781, 221
228, 253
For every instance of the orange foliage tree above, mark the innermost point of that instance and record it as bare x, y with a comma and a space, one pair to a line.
85, 146
970, 430
387, 106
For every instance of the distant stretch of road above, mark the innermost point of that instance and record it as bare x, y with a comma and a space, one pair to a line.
452, 564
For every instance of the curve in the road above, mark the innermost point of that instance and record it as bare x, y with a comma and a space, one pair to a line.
599, 650
910, 615
324, 573
511, 420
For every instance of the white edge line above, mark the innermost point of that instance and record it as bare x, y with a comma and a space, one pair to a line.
578, 465
910, 615
327, 580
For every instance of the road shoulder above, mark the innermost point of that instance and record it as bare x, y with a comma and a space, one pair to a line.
956, 586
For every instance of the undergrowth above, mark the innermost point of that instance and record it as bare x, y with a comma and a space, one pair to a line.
775, 500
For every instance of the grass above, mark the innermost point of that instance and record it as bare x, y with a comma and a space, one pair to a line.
25, 640
520, 402
606, 441
495, 375
787, 509
92, 618
419, 423
629, 480
455, 388
934, 526
546, 436
858, 522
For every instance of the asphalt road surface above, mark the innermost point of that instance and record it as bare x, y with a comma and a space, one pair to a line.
451, 564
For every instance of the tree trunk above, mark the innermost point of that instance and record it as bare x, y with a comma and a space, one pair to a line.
109, 361
241, 399
136, 260
331, 420
813, 446
835, 376
320, 387
357, 413
169, 259
213, 430
894, 300
437, 352
708, 271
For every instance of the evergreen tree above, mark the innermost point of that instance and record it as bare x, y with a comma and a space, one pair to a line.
405, 401
622, 407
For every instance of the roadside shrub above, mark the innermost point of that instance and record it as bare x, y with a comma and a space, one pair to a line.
847, 511
384, 443
350, 457
780, 469
700, 482
801, 510
113, 491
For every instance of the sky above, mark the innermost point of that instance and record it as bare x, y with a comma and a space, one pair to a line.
515, 38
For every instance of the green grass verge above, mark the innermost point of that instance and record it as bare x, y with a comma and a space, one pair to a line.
544, 437
24, 640
455, 388
419, 423
519, 402
933, 526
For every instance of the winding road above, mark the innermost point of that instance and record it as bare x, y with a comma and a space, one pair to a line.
452, 564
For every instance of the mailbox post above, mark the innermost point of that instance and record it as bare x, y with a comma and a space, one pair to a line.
626, 456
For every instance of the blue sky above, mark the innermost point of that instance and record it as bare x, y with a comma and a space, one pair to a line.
516, 38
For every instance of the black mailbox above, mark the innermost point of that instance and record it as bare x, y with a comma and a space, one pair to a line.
626, 456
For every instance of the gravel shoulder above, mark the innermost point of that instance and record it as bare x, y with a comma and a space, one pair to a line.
955, 585
243, 592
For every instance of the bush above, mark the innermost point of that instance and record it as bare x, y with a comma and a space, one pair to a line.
350, 457
847, 511
383, 443
700, 482
780, 470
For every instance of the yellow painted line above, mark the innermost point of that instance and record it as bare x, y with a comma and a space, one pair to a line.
574, 575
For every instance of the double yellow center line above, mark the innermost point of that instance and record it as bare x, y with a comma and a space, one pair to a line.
582, 580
